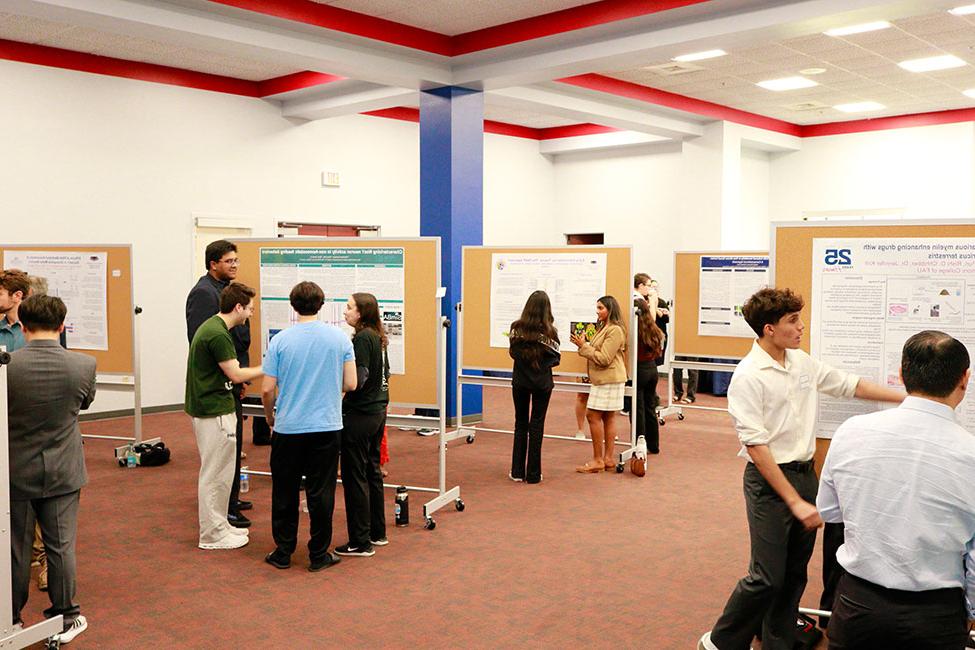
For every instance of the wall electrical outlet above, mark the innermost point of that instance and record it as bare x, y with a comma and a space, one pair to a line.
330, 179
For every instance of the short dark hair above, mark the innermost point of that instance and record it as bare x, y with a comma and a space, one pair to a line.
13, 281
933, 363
216, 250
235, 294
41, 313
640, 278
768, 306
307, 298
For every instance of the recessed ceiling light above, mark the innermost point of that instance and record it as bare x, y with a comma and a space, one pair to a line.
858, 29
810, 71
963, 10
700, 56
859, 107
969, 93
787, 83
930, 63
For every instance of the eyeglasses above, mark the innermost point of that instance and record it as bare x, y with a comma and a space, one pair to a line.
233, 262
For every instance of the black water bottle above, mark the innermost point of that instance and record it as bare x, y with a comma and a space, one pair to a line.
402, 506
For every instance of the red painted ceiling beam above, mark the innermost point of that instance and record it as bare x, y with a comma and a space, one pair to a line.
296, 81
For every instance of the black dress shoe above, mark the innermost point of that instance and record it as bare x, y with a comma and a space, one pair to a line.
244, 505
238, 520
278, 560
324, 562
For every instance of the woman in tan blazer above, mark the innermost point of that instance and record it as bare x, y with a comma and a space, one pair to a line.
607, 374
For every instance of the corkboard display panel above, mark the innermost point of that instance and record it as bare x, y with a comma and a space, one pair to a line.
418, 387
686, 342
119, 358
792, 245
476, 298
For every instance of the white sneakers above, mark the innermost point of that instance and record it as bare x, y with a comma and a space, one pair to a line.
706, 644
229, 541
78, 626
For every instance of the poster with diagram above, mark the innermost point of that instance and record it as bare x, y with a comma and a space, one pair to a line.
340, 272
726, 282
573, 282
870, 295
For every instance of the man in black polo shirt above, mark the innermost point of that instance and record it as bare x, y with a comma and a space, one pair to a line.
202, 303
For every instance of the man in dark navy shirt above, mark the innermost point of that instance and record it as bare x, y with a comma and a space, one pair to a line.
202, 303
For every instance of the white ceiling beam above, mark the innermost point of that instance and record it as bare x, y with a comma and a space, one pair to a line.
367, 97
252, 36
600, 142
573, 107
645, 40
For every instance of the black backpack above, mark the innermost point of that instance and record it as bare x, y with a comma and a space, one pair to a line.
152, 455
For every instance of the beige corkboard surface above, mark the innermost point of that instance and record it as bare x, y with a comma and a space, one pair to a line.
119, 357
418, 387
687, 299
476, 297
793, 250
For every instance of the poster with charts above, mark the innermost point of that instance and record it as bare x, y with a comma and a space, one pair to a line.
340, 272
726, 282
79, 279
573, 282
870, 295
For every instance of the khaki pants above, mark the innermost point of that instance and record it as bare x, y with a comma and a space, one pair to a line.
216, 439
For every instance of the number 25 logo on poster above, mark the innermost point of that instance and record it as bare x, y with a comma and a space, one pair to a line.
838, 257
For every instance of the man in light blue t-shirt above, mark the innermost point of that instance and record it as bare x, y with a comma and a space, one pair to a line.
307, 368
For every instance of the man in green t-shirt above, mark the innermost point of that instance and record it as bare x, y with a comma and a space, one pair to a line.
212, 370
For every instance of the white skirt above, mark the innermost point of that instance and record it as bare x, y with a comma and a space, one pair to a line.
606, 397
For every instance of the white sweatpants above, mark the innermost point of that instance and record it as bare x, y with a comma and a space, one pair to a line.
216, 439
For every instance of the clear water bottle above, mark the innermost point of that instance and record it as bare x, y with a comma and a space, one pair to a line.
245, 482
131, 460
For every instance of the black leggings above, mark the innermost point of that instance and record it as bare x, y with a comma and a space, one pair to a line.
646, 412
526, 453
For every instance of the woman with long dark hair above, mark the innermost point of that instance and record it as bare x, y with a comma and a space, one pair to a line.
363, 423
650, 343
607, 374
533, 343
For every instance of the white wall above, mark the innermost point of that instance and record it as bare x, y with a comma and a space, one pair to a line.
756, 171
96, 159
929, 172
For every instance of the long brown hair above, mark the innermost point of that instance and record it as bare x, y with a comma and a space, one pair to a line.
614, 315
369, 318
536, 322
648, 332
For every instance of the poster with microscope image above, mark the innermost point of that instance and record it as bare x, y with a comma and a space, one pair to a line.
870, 295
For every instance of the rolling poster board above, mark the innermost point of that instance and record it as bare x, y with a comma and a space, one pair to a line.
685, 338
118, 359
477, 352
418, 387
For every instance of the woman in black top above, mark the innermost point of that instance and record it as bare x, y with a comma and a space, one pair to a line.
650, 343
363, 422
534, 346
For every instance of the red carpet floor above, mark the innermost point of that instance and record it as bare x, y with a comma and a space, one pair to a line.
580, 560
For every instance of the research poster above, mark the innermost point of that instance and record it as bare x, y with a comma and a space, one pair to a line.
340, 272
726, 282
870, 295
77, 278
573, 282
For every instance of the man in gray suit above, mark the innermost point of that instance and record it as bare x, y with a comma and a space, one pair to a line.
46, 387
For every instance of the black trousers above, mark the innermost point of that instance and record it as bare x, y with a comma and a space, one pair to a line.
833, 535
316, 457
362, 479
867, 616
235, 488
767, 599
692, 376
526, 450
646, 412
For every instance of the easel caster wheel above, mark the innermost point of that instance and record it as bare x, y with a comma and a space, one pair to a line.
52, 643
662, 421
680, 416
459, 504
430, 524
620, 467
470, 439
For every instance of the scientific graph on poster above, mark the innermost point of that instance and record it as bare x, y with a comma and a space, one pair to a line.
726, 282
573, 282
340, 272
870, 295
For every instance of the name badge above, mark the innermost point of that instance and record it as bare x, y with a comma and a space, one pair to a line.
805, 381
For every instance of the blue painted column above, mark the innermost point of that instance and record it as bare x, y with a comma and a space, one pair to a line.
452, 199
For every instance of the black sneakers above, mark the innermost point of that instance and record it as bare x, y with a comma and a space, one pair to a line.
355, 551
324, 562
278, 560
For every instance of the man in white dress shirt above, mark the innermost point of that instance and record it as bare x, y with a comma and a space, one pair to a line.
903, 483
773, 398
